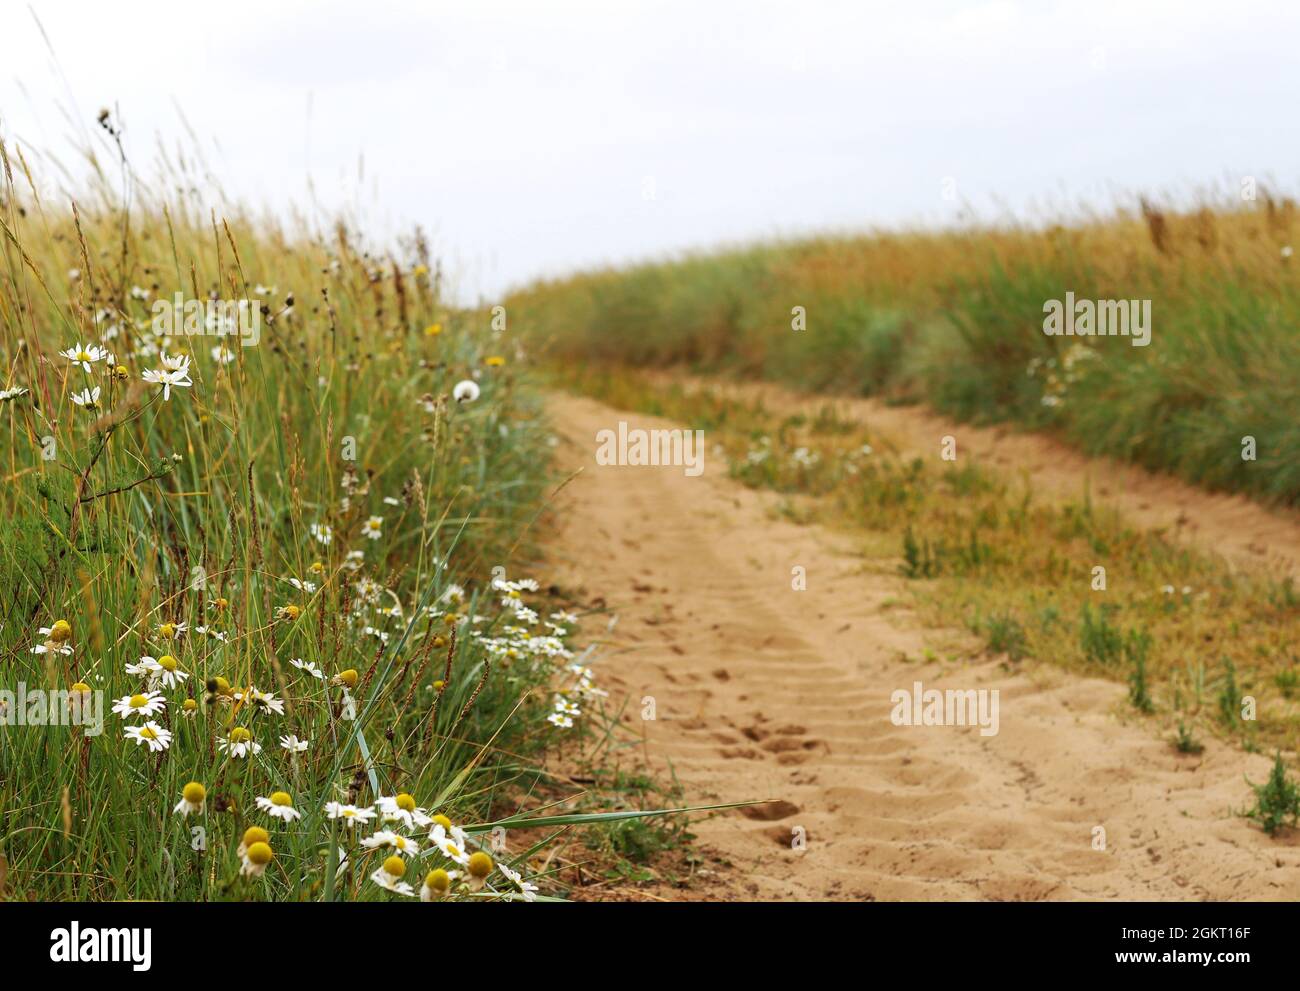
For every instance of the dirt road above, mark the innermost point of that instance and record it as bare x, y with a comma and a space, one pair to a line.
765, 692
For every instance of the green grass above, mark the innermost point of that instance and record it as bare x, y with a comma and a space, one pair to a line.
955, 320
192, 531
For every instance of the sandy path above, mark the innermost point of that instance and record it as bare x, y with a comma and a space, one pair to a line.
763, 692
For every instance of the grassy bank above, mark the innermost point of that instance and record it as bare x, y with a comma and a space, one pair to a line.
956, 320
264, 630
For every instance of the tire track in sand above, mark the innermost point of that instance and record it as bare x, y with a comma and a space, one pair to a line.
763, 692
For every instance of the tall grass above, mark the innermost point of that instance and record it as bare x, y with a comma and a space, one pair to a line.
955, 320
308, 538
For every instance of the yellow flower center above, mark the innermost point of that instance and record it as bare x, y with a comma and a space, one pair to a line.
61, 631
405, 801
438, 880
223, 686
167, 630
399, 842
349, 677
442, 821
292, 612
259, 853
240, 735
395, 866
194, 793
167, 662
138, 702
189, 705
148, 733
255, 834
480, 864
81, 687
281, 798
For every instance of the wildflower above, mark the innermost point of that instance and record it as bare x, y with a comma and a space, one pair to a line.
175, 373
279, 805
188, 708
494, 361
387, 838
172, 631
436, 884
253, 834
256, 857
560, 720
289, 612
402, 808
148, 704
347, 678
239, 743
479, 867
528, 890
222, 355
389, 876
451, 845
57, 638
352, 815
8, 395
265, 701
308, 667
323, 533
292, 744
193, 796
85, 355
169, 671
465, 391
374, 527
150, 733
87, 399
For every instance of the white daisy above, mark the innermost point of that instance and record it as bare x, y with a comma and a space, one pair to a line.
452, 847
323, 533
293, 744
148, 704
239, 743
85, 355
402, 808
193, 797
352, 815
374, 527
386, 838
279, 805
526, 888
87, 399
150, 733
168, 379
389, 876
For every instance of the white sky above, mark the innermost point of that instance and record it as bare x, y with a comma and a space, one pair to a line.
533, 137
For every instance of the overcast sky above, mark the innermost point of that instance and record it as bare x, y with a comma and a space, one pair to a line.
532, 138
